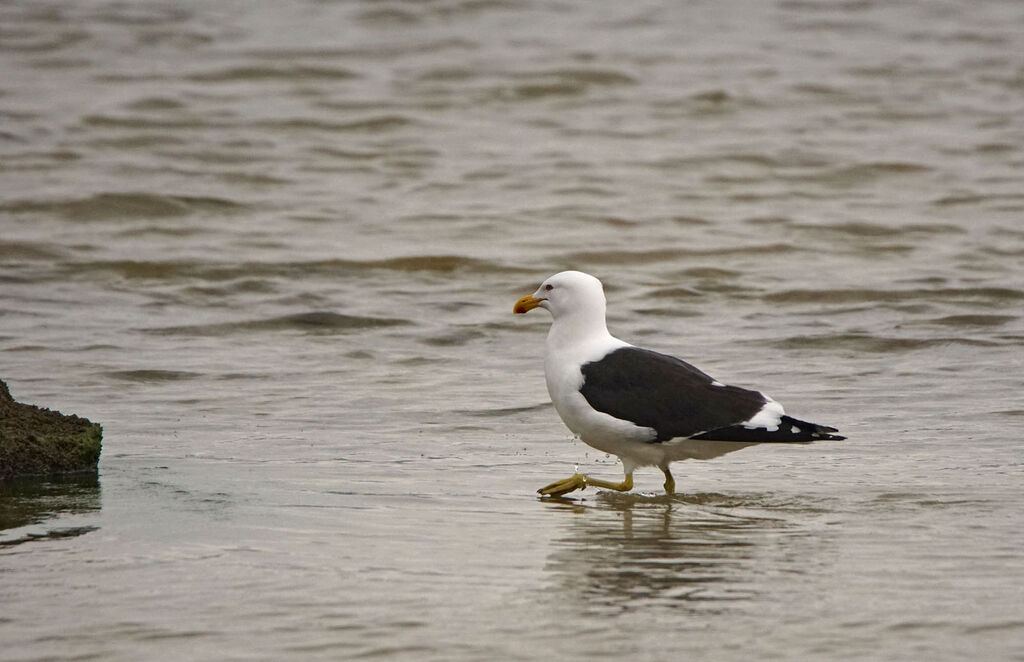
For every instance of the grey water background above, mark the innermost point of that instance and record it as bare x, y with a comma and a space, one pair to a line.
273, 248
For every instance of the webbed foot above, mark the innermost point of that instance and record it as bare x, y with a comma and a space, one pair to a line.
560, 487
579, 481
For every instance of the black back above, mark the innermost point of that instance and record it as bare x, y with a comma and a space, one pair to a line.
665, 393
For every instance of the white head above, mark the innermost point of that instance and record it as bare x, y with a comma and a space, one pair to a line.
569, 294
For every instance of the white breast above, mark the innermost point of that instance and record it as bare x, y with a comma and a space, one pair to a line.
564, 379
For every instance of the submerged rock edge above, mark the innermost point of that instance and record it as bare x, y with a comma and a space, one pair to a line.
38, 441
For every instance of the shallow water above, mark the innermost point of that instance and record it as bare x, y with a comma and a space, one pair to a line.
274, 249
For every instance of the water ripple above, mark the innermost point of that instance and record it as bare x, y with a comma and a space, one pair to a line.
947, 294
105, 206
312, 322
284, 72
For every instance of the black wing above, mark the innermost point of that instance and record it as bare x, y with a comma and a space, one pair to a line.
665, 393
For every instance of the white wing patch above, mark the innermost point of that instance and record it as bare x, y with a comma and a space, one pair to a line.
769, 417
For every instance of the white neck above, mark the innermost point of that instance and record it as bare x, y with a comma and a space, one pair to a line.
582, 334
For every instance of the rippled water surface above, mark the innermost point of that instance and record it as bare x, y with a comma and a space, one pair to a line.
273, 248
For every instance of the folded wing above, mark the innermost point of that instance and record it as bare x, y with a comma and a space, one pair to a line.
665, 393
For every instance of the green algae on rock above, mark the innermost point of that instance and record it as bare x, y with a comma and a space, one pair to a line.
35, 440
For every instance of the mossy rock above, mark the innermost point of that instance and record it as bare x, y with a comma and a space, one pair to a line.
34, 440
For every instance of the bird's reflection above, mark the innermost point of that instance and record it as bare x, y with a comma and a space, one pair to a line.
698, 551
36, 500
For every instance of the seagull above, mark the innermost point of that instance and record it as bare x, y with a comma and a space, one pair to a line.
646, 408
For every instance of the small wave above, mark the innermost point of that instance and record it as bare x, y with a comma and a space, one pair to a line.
690, 220
37, 159
502, 412
152, 375
869, 343
372, 124
185, 123
671, 313
996, 147
591, 191
705, 161
142, 15
253, 272
256, 180
454, 339
416, 361
674, 293
20, 41
384, 16
703, 104
916, 500
867, 229
287, 72
1003, 251
373, 49
469, 7
530, 91
242, 286
590, 76
715, 96
854, 228
446, 74
974, 199
435, 263
533, 85
311, 322
715, 273
155, 103
347, 154
860, 173
873, 295
28, 250
667, 254
103, 206
141, 141
819, 89
974, 320
133, 269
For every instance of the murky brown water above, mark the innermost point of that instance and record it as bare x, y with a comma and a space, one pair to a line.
273, 249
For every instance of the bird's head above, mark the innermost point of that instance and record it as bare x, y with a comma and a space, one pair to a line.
566, 293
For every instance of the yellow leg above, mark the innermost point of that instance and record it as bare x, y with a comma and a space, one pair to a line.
579, 482
670, 482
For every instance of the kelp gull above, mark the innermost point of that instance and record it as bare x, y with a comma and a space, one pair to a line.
644, 407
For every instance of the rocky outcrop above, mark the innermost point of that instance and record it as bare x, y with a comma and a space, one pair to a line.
34, 440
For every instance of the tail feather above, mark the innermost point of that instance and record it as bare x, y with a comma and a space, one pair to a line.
790, 430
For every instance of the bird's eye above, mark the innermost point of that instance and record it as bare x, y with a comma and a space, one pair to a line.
549, 287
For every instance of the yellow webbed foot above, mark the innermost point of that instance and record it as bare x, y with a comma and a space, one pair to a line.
670, 482
560, 487
579, 481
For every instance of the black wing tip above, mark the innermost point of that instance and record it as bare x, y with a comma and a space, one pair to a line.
821, 432
790, 430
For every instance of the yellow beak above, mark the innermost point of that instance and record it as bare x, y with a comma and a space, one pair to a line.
526, 304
